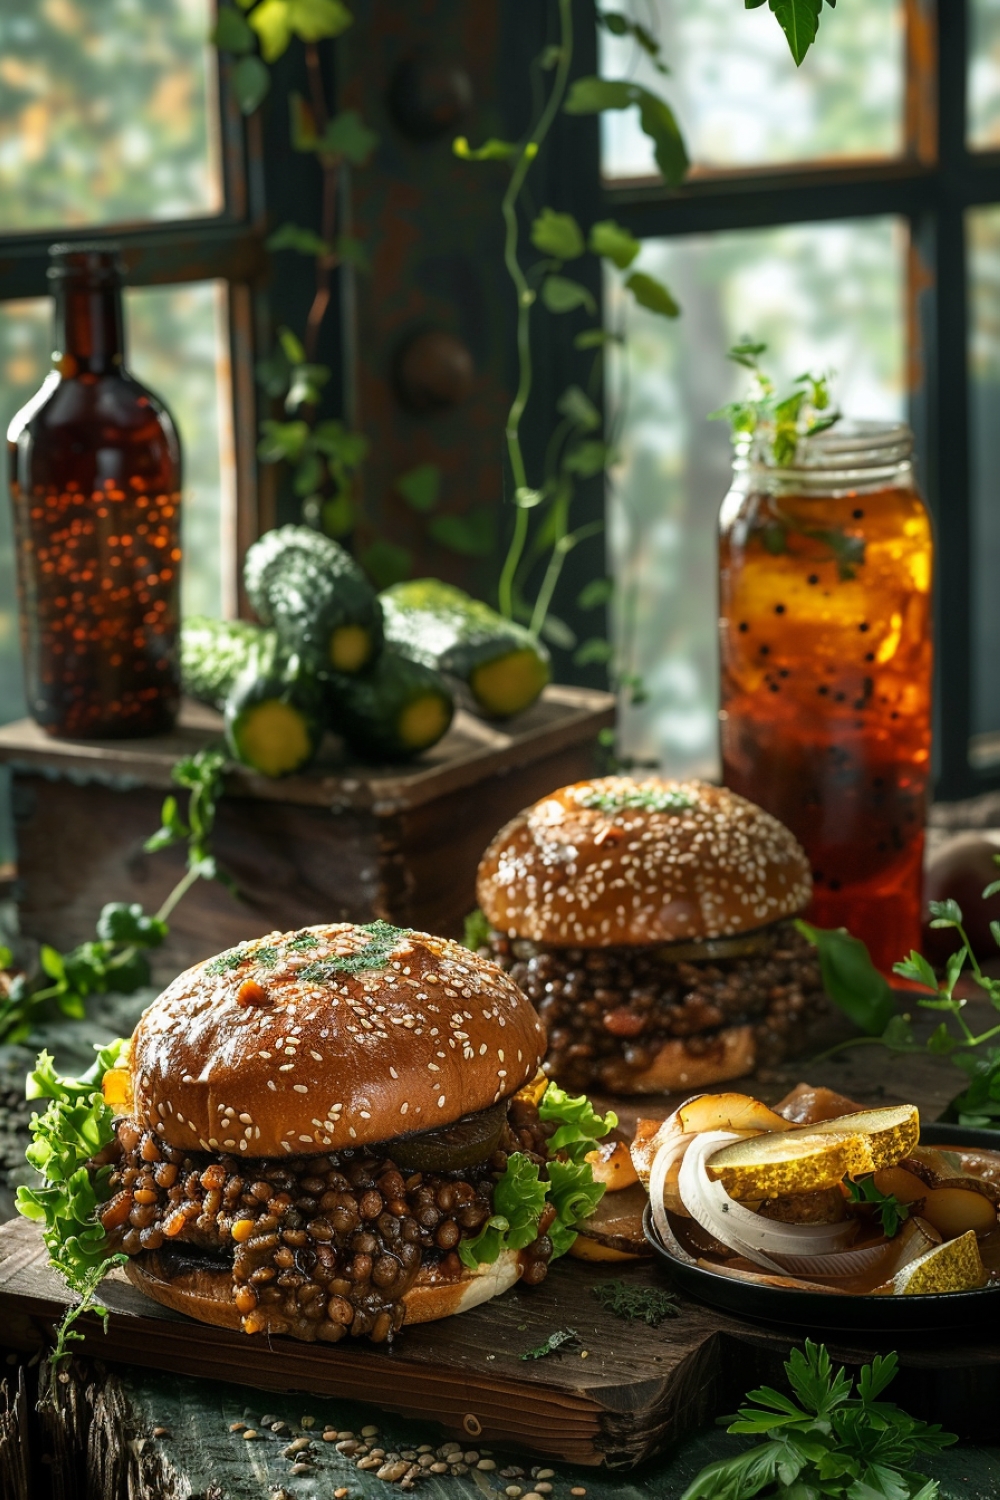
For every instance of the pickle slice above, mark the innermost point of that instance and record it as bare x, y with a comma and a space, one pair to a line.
814, 1157
470, 1140
955, 1266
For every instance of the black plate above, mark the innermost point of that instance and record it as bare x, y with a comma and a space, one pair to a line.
818, 1310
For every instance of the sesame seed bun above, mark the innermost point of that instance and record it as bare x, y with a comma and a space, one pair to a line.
286, 1046
206, 1292
619, 861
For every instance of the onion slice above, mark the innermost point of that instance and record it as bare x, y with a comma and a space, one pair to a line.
664, 1159
739, 1228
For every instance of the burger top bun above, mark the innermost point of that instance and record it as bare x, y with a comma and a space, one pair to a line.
620, 861
332, 1037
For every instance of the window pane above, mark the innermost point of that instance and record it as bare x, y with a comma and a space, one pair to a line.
984, 359
983, 101
742, 102
823, 297
107, 112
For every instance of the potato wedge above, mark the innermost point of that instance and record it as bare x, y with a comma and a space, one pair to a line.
728, 1112
611, 1163
955, 1266
939, 1169
701, 1112
901, 1183
806, 1105
955, 1210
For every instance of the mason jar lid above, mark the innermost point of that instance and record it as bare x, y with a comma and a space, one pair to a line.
851, 452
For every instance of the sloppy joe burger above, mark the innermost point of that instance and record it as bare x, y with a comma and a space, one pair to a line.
320, 1134
649, 923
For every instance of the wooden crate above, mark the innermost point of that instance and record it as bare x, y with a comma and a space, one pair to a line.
343, 842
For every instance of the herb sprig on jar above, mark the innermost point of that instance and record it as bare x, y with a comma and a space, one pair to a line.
771, 425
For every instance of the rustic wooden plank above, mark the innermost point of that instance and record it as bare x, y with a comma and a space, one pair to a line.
470, 751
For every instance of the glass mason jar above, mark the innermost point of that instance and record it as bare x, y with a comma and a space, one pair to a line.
825, 622
95, 477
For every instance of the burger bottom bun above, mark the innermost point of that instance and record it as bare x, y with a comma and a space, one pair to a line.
731, 1054
206, 1293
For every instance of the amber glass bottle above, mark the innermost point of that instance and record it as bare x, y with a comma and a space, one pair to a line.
825, 592
95, 478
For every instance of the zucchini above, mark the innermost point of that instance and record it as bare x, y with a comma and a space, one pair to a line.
274, 709
316, 597
214, 653
394, 711
500, 665
275, 716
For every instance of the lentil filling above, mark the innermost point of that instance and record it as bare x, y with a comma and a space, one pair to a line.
319, 1246
603, 1005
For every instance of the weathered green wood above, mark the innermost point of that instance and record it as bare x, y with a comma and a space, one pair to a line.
201, 1457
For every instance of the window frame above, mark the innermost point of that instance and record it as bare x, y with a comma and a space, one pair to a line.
227, 246
931, 186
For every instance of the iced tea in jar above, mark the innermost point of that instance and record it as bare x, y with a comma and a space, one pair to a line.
825, 620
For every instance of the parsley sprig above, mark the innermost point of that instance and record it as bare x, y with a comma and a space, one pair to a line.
855, 985
825, 1440
648, 798
115, 959
774, 425
892, 1214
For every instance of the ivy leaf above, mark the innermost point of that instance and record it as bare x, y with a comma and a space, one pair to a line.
348, 136
270, 20
622, 25
561, 295
557, 234
595, 651
281, 440
338, 516
588, 459
799, 20
598, 591
251, 83
232, 34
575, 404
306, 386
596, 338
295, 237
386, 564
421, 487
589, 96
471, 535
850, 978
352, 252
348, 449
291, 346
316, 20
558, 633
308, 474
652, 294
613, 242
491, 150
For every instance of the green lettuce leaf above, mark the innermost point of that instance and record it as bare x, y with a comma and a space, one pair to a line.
580, 1126
521, 1195
75, 1127
518, 1204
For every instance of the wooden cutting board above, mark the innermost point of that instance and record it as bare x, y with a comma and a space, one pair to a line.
637, 1389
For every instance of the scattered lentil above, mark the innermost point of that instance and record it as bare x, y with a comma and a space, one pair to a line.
307, 1422
302, 1468
486, 1464
162, 1432
250, 1433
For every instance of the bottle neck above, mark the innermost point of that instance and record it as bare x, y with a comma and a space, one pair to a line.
89, 331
